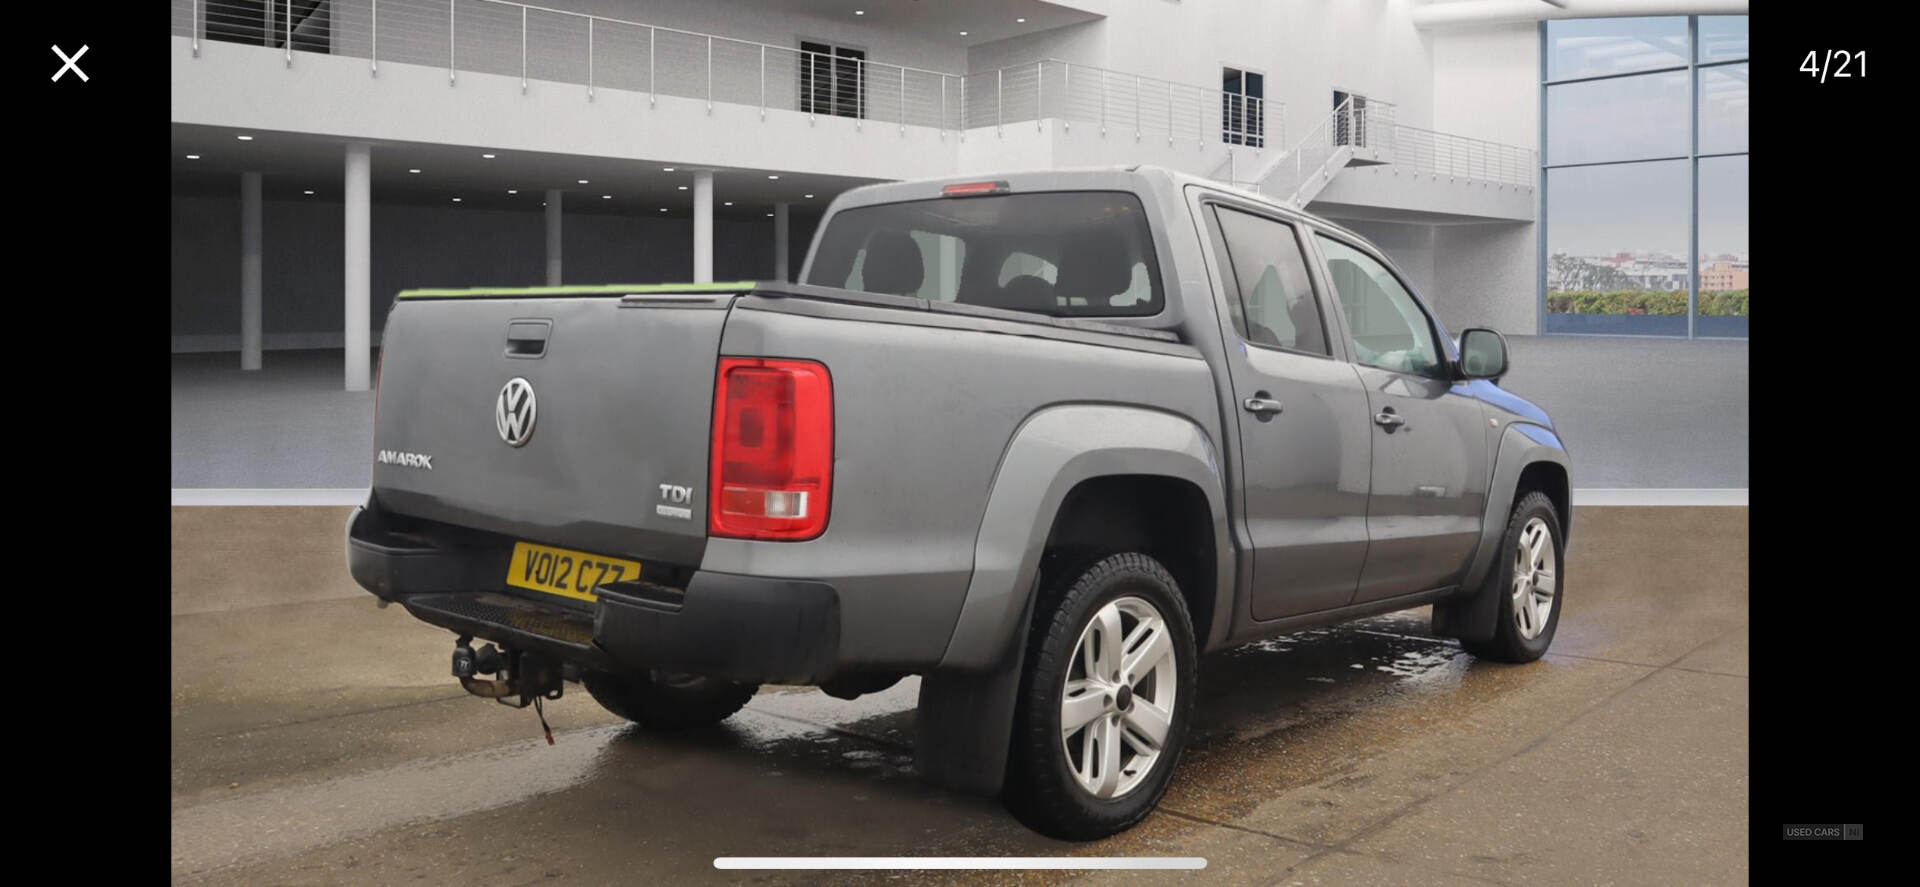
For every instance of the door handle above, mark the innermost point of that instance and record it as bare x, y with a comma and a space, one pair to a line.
1261, 405
1388, 419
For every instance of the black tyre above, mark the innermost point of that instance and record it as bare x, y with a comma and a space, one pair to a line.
663, 701
1104, 700
1528, 575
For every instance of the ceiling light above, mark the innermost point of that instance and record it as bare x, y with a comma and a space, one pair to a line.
606, 197
456, 200
414, 171
583, 181
1021, 20
809, 196
769, 215
512, 191
683, 187
859, 12
487, 156
666, 169
963, 33
244, 138
772, 177
307, 192
663, 209
193, 157
728, 203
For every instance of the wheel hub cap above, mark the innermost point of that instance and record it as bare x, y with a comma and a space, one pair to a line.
1535, 568
1117, 706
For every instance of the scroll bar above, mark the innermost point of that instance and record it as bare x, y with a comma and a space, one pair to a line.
959, 862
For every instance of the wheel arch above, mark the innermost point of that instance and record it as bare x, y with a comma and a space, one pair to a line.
1064, 467
1530, 457
1161, 516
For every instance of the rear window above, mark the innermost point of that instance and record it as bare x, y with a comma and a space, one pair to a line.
1062, 253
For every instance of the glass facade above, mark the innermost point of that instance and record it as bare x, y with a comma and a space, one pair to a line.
1617, 256
1644, 160
1602, 47
1723, 109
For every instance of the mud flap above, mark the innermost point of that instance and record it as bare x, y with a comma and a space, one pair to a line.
1473, 616
964, 725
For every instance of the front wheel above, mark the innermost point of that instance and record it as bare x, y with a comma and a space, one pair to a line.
1105, 700
1528, 575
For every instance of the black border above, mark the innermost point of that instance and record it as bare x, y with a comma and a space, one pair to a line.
1825, 697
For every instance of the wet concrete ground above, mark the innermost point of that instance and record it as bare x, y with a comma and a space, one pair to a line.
318, 740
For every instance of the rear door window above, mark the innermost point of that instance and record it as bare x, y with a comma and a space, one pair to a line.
1276, 305
1060, 253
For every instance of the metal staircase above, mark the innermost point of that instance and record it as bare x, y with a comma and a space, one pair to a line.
1354, 134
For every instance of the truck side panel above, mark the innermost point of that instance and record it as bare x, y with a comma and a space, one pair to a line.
909, 495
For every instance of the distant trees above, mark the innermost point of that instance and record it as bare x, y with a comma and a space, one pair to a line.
1725, 303
1565, 272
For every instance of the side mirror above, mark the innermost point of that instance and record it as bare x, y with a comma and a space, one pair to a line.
1483, 354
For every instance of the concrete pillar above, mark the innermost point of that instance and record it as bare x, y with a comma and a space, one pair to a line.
359, 265
780, 238
250, 270
703, 226
553, 237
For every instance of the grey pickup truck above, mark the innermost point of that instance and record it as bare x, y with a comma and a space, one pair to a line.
1040, 439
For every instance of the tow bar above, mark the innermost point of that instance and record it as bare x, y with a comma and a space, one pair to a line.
526, 675
529, 676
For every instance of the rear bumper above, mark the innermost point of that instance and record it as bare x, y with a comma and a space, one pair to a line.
742, 628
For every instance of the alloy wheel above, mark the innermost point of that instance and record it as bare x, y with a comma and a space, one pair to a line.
1534, 567
1117, 706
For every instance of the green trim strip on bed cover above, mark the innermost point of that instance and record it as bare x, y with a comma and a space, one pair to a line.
594, 290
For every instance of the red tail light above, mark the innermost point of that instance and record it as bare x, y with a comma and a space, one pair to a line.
772, 449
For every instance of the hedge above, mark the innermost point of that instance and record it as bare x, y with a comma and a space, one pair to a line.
1728, 303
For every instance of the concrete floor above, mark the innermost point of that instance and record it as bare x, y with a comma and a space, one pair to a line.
319, 740
1637, 413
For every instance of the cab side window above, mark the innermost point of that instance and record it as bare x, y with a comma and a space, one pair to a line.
1275, 305
1389, 328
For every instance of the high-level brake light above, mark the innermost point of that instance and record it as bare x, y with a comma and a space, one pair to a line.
772, 472
971, 189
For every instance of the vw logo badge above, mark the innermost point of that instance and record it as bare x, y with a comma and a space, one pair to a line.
514, 412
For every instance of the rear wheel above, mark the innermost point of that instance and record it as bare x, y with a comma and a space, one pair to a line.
1527, 576
1104, 703
662, 700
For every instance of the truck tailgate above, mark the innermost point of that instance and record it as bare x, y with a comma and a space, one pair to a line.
576, 420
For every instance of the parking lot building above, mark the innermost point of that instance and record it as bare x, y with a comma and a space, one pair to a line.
327, 155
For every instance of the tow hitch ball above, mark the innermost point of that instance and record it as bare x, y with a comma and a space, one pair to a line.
528, 676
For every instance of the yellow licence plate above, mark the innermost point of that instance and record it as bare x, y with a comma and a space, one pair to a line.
564, 572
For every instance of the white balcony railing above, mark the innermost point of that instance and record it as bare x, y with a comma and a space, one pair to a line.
1120, 104
1460, 157
537, 43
